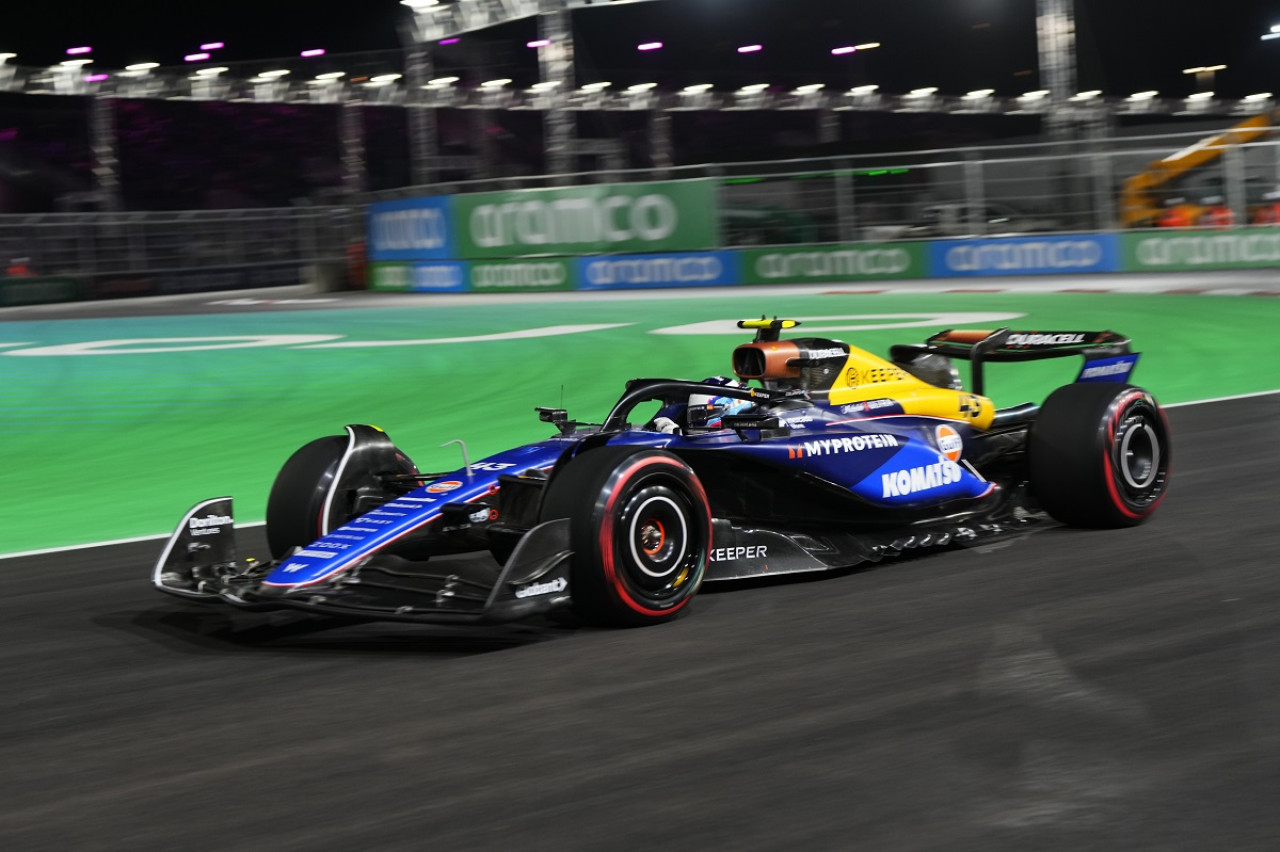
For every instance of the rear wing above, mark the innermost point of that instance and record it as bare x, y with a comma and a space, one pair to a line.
1106, 353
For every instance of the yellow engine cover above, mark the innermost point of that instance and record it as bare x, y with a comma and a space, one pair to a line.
867, 377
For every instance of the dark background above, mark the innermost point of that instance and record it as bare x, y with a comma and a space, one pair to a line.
1123, 46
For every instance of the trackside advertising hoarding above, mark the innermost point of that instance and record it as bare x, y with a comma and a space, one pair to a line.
521, 276
1039, 255
38, 291
831, 264
411, 229
1242, 248
623, 218
644, 271
441, 276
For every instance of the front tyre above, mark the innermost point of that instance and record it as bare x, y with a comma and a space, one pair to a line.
295, 506
640, 530
331, 480
1099, 455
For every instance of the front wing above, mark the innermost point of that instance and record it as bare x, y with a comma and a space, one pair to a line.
200, 562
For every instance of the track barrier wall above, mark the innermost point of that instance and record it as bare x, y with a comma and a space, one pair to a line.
572, 239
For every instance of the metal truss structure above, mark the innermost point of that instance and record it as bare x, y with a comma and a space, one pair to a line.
405, 78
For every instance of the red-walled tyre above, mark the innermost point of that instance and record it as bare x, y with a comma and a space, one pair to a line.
1099, 455
640, 529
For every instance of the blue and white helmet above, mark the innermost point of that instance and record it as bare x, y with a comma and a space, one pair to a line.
707, 411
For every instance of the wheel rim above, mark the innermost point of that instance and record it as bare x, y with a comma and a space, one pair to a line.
1138, 456
656, 556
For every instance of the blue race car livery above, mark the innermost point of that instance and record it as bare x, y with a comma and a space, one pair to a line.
815, 456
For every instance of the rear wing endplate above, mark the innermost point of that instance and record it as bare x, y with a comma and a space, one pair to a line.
979, 346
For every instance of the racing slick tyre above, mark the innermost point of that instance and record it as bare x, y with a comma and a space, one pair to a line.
640, 530
296, 501
296, 504
1099, 455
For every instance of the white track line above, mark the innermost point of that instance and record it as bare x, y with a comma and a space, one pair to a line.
74, 547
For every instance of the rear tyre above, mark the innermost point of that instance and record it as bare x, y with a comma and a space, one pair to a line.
295, 506
1099, 455
640, 530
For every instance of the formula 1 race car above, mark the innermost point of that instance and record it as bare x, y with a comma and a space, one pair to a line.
817, 456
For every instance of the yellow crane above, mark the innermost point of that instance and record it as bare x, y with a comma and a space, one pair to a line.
1140, 199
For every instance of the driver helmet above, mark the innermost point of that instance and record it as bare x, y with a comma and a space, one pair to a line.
707, 411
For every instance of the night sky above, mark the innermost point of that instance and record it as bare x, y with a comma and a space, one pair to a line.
1123, 46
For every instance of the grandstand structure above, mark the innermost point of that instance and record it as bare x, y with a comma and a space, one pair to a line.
405, 79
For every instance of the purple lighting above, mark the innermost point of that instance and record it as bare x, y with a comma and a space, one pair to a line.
751, 48
650, 45
319, 51
76, 51
840, 51
97, 78
450, 40
542, 42
195, 57
213, 45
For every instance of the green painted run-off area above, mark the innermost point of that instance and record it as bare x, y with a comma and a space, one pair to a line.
109, 446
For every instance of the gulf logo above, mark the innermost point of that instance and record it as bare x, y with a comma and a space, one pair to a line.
442, 487
949, 443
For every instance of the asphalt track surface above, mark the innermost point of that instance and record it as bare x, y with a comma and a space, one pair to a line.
1064, 690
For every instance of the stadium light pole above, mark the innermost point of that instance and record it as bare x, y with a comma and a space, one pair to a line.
424, 129
1056, 38
555, 64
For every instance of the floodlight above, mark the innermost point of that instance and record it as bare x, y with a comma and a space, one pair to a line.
650, 45
318, 51
642, 87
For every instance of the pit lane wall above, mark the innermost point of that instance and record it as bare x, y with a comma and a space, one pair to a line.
665, 234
